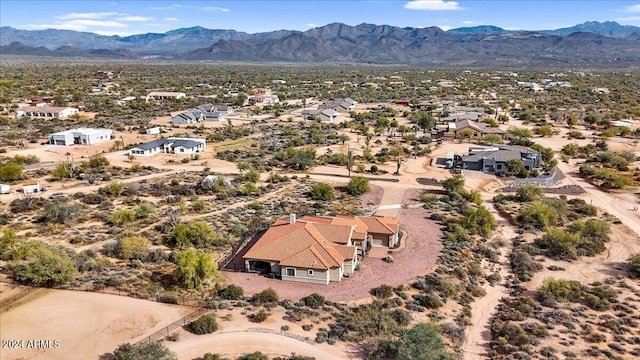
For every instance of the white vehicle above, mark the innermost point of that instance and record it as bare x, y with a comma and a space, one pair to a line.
5, 189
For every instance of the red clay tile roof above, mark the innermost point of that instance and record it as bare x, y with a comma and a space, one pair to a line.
317, 242
339, 234
348, 252
308, 258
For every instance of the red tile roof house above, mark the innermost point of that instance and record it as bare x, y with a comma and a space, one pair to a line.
317, 249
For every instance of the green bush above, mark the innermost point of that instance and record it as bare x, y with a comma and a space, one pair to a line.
205, 324
147, 351
634, 266
322, 192
43, 265
266, 296
231, 292
254, 356
358, 185
383, 291
169, 297
314, 300
259, 317
560, 290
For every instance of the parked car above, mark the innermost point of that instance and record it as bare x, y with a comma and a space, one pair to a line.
57, 195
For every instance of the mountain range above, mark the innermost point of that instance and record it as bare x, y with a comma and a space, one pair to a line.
593, 44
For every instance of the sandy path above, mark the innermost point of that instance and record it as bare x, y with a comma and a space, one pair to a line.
86, 324
234, 344
476, 345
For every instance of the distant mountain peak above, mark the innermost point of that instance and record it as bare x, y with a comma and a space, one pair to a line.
607, 28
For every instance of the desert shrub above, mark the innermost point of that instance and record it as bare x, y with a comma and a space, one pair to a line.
205, 324
122, 217
383, 291
197, 233
42, 265
265, 296
314, 300
513, 334
595, 337
634, 266
358, 185
254, 356
60, 212
193, 268
131, 247
479, 221
147, 351
430, 301
421, 342
112, 189
560, 290
538, 215
401, 317
529, 192
322, 191
231, 292
169, 297
210, 356
259, 317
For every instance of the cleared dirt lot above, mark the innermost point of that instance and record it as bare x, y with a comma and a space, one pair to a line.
87, 325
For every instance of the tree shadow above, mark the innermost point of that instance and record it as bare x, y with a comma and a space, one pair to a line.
106, 356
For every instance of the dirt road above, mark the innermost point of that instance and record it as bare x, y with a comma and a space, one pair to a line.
476, 345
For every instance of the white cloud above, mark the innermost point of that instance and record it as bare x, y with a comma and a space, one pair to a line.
468, 22
167, 7
445, 27
630, 18
312, 25
135, 18
99, 23
215, 8
171, 19
92, 15
632, 8
155, 24
432, 5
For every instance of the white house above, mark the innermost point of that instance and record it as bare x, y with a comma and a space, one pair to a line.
32, 187
46, 111
162, 95
198, 114
328, 115
80, 136
180, 146
154, 130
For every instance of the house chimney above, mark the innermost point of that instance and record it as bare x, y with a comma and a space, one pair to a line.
292, 219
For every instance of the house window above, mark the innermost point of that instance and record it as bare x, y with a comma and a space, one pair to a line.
290, 272
499, 166
181, 150
310, 272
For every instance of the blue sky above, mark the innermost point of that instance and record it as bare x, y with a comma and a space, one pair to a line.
136, 17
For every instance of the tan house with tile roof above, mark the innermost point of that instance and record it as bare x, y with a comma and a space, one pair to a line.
317, 249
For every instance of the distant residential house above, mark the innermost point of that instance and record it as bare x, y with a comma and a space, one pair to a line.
41, 100
153, 130
179, 146
473, 116
316, 249
31, 187
46, 111
263, 99
339, 105
262, 91
456, 110
478, 129
494, 159
198, 114
125, 100
163, 95
80, 136
310, 114
328, 115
